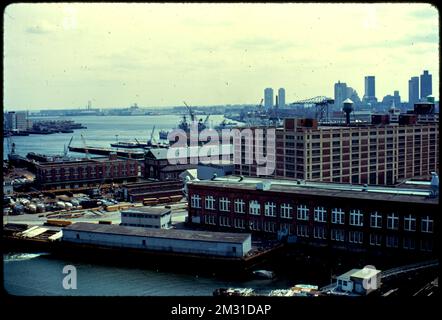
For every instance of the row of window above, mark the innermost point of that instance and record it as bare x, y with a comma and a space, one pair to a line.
140, 215
320, 213
320, 232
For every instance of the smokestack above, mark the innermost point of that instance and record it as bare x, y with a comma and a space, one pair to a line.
276, 101
348, 108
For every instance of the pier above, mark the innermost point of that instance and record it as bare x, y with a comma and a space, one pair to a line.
106, 151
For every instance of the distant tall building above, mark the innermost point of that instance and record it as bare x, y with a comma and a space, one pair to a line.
370, 90
16, 120
340, 93
397, 98
413, 91
281, 97
10, 121
268, 98
21, 118
426, 84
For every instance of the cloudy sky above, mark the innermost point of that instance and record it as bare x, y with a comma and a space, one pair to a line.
62, 55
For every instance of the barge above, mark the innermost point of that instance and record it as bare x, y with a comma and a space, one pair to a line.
150, 257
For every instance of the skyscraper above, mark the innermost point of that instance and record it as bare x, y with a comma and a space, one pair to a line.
340, 93
268, 98
426, 84
281, 97
413, 91
370, 90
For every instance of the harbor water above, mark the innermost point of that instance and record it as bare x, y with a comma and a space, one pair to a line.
31, 274
42, 274
101, 132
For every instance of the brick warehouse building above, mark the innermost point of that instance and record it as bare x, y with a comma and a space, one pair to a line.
319, 214
372, 153
85, 172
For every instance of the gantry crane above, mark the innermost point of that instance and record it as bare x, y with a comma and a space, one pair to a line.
321, 104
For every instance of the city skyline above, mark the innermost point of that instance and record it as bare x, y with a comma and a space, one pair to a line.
62, 55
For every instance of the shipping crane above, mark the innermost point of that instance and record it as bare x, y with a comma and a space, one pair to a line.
192, 114
86, 150
320, 103
150, 141
66, 149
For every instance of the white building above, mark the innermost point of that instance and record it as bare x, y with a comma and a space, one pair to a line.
171, 240
359, 281
147, 217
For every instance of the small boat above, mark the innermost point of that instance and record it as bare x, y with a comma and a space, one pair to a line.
263, 274
128, 145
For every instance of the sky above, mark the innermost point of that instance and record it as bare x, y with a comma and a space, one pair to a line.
62, 55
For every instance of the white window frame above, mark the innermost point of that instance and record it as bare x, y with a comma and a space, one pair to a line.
302, 212
319, 232
320, 214
377, 219
285, 226
239, 223
356, 218
255, 225
375, 239
254, 207
429, 224
338, 235
409, 243
224, 204
408, 223
210, 203
356, 237
302, 230
209, 219
195, 201
239, 206
338, 216
269, 226
286, 210
393, 221
270, 209
224, 221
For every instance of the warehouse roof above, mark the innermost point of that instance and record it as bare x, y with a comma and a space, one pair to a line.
191, 235
176, 152
147, 210
325, 189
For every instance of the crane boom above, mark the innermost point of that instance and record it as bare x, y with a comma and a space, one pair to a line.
85, 146
192, 114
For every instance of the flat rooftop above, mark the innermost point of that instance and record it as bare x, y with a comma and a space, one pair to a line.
365, 273
334, 190
147, 210
175, 234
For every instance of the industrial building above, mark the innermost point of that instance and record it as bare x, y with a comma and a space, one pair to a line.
359, 281
162, 164
377, 153
138, 191
320, 214
168, 241
65, 174
147, 217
